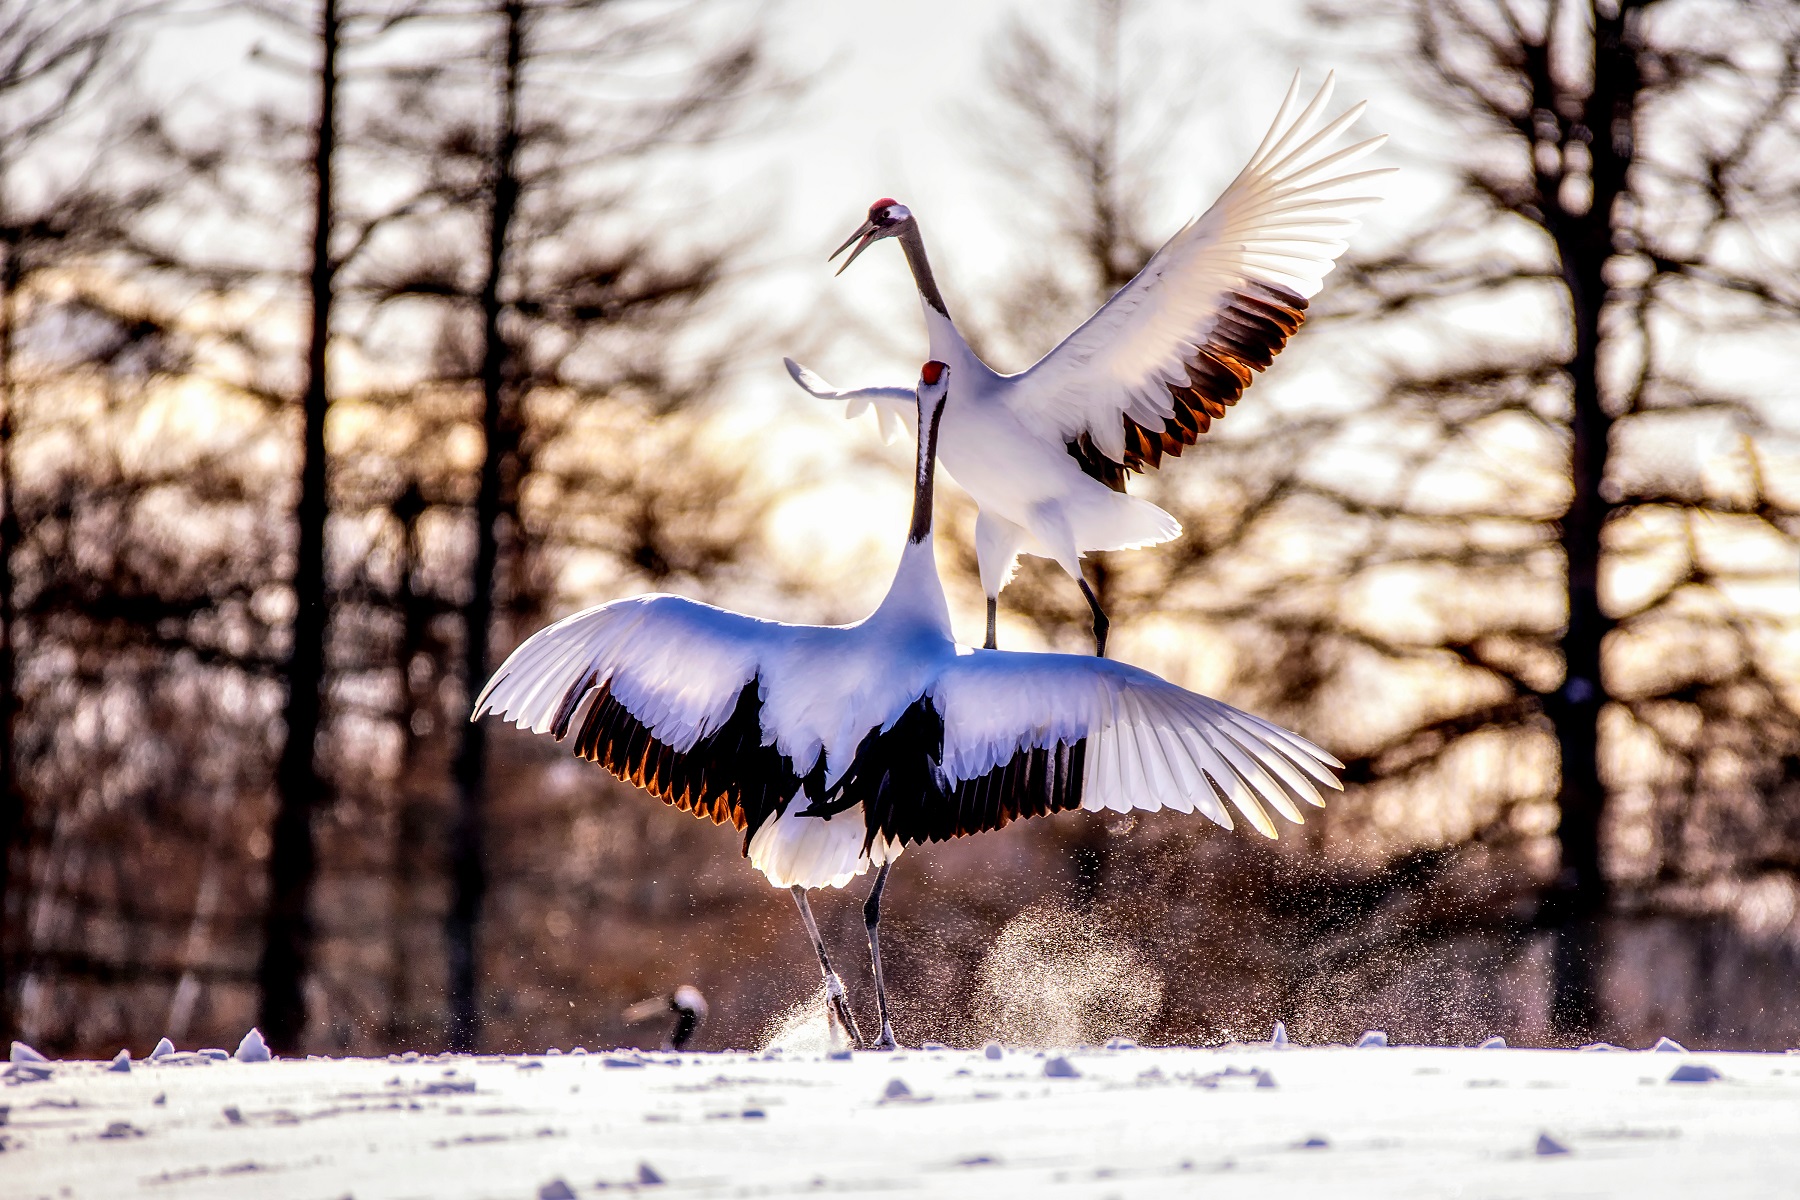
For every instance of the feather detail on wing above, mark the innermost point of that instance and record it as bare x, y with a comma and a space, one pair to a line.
1032, 733
1148, 373
893, 405
667, 692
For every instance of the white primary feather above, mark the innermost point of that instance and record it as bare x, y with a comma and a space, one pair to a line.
675, 664
1281, 221
894, 408
1150, 744
678, 666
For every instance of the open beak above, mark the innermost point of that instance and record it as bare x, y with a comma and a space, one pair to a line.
869, 233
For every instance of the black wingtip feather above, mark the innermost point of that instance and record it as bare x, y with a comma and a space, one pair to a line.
727, 775
1253, 325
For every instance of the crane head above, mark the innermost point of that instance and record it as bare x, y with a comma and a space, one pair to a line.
887, 217
934, 384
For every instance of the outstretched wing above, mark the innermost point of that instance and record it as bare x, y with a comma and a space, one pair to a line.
1029, 734
667, 693
893, 405
1149, 372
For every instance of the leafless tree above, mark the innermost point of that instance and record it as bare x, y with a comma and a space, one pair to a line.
1647, 248
573, 305
54, 57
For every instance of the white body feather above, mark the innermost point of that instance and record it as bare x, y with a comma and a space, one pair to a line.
678, 666
1005, 437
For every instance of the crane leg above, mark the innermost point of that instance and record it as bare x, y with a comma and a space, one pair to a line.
990, 644
1101, 624
872, 918
834, 987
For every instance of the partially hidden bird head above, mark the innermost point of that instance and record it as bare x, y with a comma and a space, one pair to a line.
934, 381
887, 217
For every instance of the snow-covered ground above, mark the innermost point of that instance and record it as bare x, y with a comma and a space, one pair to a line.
1240, 1120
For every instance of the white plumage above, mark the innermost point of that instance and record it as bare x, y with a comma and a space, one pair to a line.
835, 747
679, 669
1045, 452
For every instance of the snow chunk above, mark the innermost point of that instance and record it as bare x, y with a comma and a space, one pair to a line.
121, 1061
1374, 1037
993, 1052
1548, 1146
556, 1189
1665, 1045
896, 1090
1061, 1068
1694, 1073
164, 1048
1278, 1036
1230, 1076
253, 1048
1493, 1043
21, 1053
647, 1176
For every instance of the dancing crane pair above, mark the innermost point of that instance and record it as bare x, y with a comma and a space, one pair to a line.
833, 748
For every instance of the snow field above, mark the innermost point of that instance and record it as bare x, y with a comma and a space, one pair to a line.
1241, 1120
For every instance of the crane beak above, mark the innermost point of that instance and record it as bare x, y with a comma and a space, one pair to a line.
644, 1010
870, 233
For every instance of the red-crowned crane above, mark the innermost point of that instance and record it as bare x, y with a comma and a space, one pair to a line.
1045, 452
835, 747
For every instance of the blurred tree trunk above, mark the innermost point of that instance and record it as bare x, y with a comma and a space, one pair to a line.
53, 56
500, 442
1604, 121
300, 787
418, 826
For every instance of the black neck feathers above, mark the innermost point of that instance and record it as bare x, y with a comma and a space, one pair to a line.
922, 484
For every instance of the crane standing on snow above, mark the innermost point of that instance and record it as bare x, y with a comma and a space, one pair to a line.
1045, 452
834, 747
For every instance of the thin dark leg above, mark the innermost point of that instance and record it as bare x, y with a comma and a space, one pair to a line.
1101, 624
872, 918
993, 615
834, 986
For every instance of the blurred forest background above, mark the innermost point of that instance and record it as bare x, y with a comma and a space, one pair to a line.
317, 397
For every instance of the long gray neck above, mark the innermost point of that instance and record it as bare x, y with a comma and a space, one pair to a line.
922, 485
914, 244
